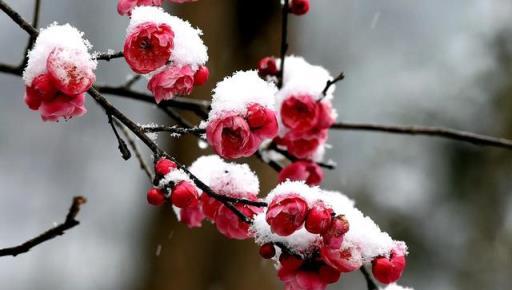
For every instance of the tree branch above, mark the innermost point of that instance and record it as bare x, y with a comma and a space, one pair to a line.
109, 55
447, 133
32, 40
52, 233
329, 83
284, 40
369, 280
173, 130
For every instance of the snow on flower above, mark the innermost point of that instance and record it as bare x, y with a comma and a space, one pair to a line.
58, 73
124, 7
394, 286
189, 48
305, 114
242, 115
351, 240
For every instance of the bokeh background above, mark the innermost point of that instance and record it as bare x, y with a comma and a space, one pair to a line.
443, 63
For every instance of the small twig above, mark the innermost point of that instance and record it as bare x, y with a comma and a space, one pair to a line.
143, 165
52, 233
329, 83
123, 148
109, 55
32, 40
284, 41
292, 158
10, 69
131, 81
174, 130
452, 134
369, 280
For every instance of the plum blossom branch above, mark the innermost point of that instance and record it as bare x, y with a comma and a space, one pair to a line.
52, 233
463, 136
138, 131
35, 24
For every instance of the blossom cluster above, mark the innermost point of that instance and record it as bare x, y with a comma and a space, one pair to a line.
313, 235
316, 235
58, 73
166, 48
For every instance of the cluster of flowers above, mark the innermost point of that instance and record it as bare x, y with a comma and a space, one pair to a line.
242, 115
58, 73
166, 48
125, 7
315, 235
192, 206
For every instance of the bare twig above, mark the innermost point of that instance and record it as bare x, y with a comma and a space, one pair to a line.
143, 165
109, 55
329, 83
35, 24
372, 285
452, 134
123, 148
292, 158
174, 130
52, 233
284, 41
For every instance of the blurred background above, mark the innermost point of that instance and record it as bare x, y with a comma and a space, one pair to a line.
442, 63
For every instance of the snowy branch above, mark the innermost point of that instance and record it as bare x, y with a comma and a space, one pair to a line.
52, 233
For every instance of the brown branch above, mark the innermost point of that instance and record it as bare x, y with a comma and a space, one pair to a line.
292, 158
32, 40
447, 133
143, 165
52, 233
329, 83
174, 130
109, 55
372, 285
284, 41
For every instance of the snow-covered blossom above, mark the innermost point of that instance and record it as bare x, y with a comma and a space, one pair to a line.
242, 115
172, 81
394, 286
124, 7
349, 241
58, 73
305, 114
305, 170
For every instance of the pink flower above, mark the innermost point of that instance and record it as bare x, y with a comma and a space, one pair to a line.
231, 137
305, 170
230, 225
70, 70
325, 115
333, 237
192, 216
299, 113
303, 147
298, 274
184, 195
319, 219
172, 81
389, 270
148, 47
299, 7
210, 206
262, 121
124, 7
41, 90
63, 106
346, 260
286, 214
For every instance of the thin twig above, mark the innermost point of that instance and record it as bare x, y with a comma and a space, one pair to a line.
143, 165
372, 285
131, 81
123, 148
52, 233
109, 55
329, 83
452, 134
284, 41
292, 158
174, 130
32, 40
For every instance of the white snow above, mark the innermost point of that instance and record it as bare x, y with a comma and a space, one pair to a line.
54, 36
235, 93
364, 234
394, 286
189, 48
224, 177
